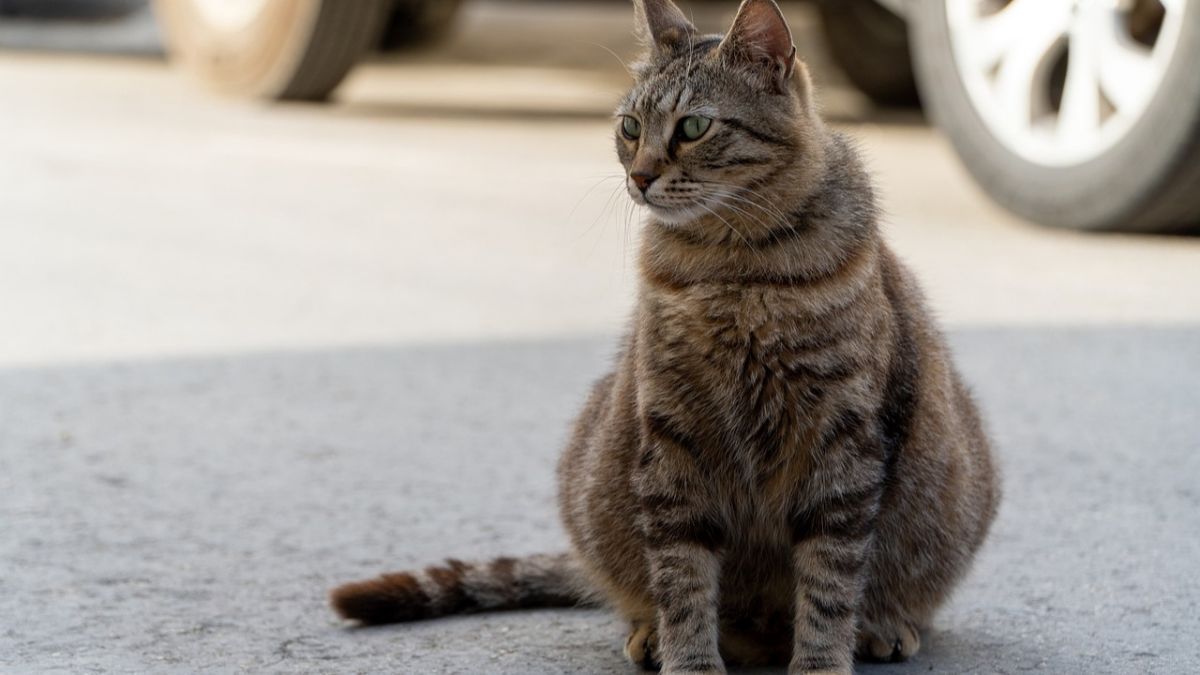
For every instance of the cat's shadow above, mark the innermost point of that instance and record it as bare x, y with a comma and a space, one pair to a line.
958, 650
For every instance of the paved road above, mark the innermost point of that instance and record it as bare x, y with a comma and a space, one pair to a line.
188, 514
255, 351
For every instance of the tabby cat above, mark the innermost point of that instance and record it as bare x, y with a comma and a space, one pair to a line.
784, 466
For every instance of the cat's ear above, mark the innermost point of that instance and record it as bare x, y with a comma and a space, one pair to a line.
661, 25
760, 38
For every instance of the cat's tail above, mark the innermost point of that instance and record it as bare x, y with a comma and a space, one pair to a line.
462, 587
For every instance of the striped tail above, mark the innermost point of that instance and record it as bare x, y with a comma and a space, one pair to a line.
461, 587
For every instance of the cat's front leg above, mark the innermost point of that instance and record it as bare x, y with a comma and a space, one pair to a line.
684, 586
682, 543
833, 537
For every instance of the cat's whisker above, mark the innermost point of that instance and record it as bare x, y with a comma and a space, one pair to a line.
771, 229
597, 182
750, 246
687, 71
616, 56
775, 216
606, 208
630, 210
610, 210
737, 189
747, 191
768, 227
730, 226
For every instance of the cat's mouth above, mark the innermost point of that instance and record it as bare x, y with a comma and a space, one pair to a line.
678, 213
675, 215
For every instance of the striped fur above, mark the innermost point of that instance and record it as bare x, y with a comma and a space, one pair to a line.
459, 588
784, 465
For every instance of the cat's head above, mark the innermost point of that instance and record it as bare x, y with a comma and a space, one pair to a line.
712, 120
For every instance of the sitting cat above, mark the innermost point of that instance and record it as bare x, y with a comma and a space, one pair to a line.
785, 465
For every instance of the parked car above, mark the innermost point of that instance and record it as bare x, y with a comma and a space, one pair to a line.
291, 49
1073, 113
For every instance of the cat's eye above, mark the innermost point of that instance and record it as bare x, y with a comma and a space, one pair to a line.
693, 127
631, 128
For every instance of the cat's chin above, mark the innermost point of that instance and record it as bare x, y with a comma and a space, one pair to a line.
679, 216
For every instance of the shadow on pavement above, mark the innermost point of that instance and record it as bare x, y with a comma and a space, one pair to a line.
186, 514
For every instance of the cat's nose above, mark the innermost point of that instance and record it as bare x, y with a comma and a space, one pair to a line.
643, 179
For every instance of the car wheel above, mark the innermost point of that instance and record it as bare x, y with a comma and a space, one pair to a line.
273, 49
870, 44
1074, 114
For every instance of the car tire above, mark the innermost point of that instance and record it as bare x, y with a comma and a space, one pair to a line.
272, 49
1144, 179
870, 44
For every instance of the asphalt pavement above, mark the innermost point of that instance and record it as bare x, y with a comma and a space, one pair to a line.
188, 515
251, 352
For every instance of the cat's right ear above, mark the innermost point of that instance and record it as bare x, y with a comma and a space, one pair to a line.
661, 25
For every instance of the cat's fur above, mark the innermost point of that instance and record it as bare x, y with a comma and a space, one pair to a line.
785, 465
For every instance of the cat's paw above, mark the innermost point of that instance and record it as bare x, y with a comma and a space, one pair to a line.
641, 648
893, 640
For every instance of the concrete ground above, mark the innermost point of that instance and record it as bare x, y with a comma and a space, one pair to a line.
255, 351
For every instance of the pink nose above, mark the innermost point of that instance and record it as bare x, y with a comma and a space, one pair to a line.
643, 180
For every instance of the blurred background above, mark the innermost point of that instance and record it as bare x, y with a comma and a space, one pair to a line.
301, 173
298, 290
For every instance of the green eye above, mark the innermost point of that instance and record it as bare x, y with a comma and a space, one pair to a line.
694, 127
631, 127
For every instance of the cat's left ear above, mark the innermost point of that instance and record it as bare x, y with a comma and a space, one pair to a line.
760, 38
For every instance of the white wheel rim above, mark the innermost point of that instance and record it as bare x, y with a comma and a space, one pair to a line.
1004, 53
229, 15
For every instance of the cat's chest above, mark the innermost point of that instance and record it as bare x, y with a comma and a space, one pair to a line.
742, 341
756, 379
756, 367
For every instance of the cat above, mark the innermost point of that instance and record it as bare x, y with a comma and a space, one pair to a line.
784, 466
